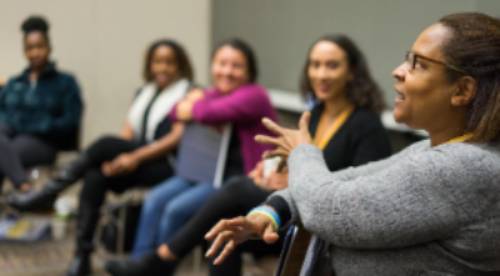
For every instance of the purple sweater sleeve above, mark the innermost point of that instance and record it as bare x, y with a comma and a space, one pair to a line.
243, 105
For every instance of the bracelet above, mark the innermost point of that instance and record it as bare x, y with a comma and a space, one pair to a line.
268, 212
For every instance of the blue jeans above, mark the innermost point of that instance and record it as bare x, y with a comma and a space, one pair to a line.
166, 208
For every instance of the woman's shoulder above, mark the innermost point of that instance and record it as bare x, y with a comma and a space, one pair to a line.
365, 115
19, 77
251, 89
462, 152
140, 90
64, 79
466, 161
462, 164
52, 69
65, 75
478, 154
366, 120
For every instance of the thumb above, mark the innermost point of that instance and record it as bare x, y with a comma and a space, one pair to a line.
270, 236
304, 123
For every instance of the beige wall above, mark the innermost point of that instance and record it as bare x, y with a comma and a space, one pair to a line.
103, 43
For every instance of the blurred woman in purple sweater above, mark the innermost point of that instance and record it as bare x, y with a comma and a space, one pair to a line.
234, 99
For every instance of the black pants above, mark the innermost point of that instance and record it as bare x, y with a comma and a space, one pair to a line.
235, 198
96, 184
19, 151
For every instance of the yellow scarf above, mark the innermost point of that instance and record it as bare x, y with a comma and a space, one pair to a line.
459, 139
322, 141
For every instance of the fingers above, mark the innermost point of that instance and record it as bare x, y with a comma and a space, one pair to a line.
219, 241
228, 249
305, 119
264, 139
270, 236
224, 235
277, 152
304, 122
265, 155
108, 169
257, 171
224, 224
105, 167
272, 126
115, 168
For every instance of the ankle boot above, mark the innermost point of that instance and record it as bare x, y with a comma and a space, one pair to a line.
44, 199
80, 266
149, 264
86, 226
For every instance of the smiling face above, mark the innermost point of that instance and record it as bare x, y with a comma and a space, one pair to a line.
424, 92
36, 49
229, 69
163, 66
328, 70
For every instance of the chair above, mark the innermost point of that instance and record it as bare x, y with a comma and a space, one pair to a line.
117, 215
293, 252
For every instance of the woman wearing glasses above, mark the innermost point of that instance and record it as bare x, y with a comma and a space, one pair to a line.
432, 209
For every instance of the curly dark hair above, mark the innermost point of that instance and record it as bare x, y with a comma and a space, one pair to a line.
35, 23
182, 59
474, 48
362, 91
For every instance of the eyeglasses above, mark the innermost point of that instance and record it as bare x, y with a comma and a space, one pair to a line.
412, 58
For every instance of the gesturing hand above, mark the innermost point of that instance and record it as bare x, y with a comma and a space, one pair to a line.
228, 233
287, 139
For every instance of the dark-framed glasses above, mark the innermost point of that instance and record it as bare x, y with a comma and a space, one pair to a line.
412, 59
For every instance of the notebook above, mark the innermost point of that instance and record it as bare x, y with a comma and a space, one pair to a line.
202, 153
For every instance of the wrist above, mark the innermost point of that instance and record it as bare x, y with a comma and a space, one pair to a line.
135, 157
268, 212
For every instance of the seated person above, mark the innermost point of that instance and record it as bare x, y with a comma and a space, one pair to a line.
139, 156
40, 109
346, 126
235, 99
432, 209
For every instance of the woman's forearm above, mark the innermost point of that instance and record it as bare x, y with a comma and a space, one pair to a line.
395, 206
161, 146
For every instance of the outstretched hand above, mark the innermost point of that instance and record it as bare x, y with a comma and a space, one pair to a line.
228, 233
287, 139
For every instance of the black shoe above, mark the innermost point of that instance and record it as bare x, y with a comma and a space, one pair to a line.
80, 266
40, 200
150, 265
44, 199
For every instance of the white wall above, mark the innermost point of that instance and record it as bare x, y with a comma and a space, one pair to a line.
103, 44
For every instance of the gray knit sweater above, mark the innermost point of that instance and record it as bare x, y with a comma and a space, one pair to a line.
424, 211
